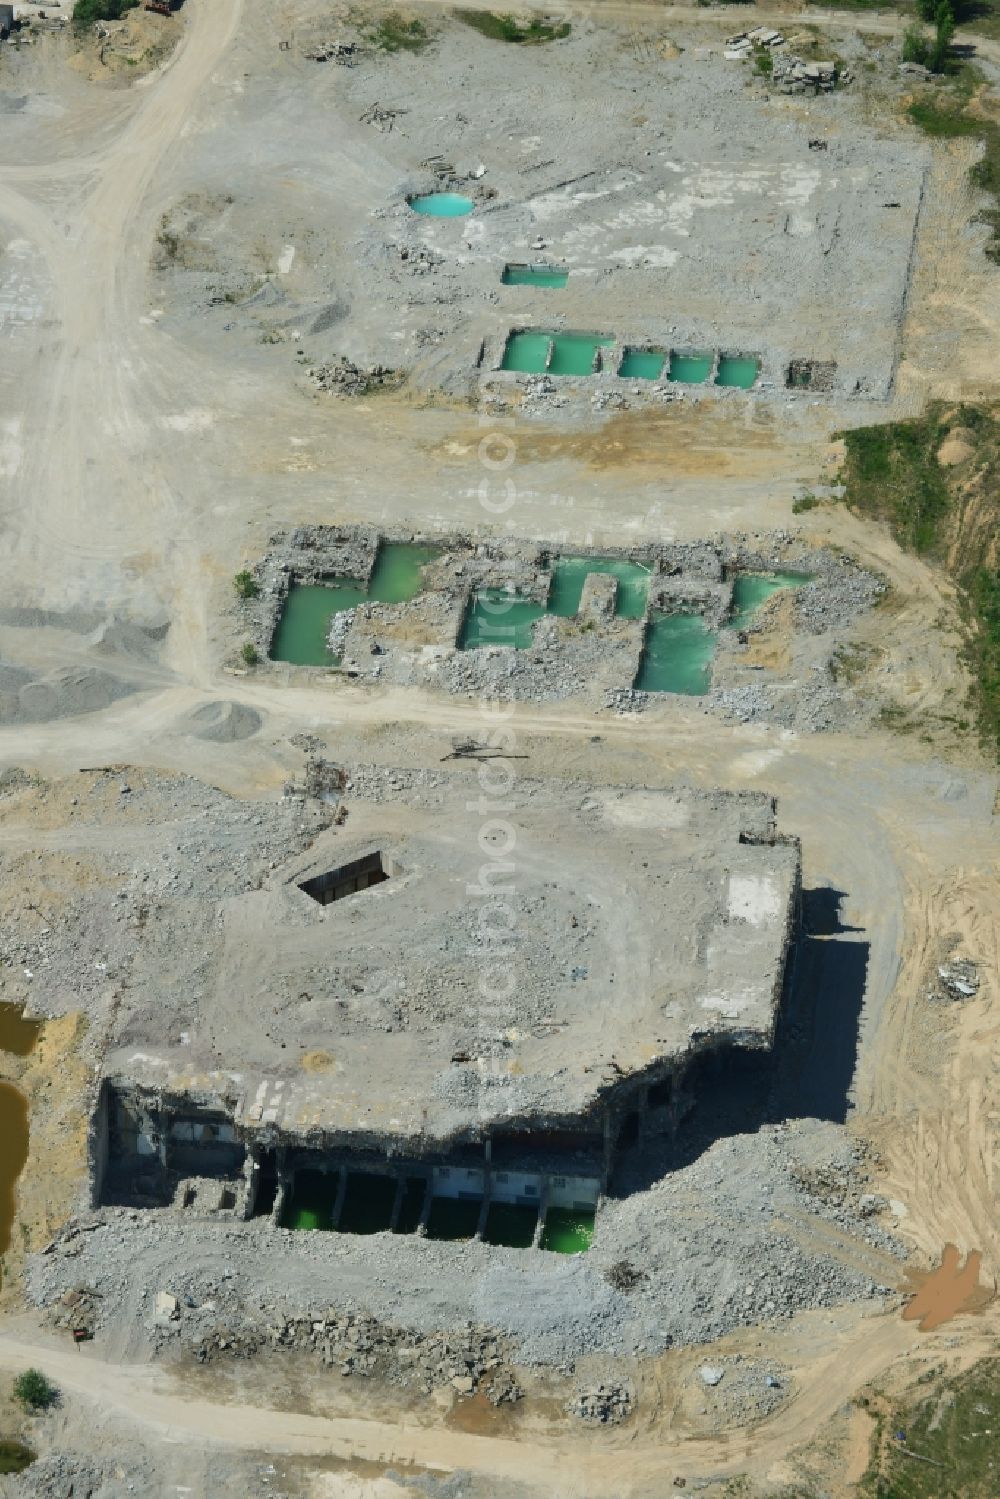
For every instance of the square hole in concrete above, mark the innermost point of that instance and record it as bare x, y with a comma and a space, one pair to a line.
348, 879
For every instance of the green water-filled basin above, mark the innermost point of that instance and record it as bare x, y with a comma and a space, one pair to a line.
526, 353
690, 369
574, 353
304, 625
737, 372
545, 276
494, 617
569, 575
442, 205
676, 655
751, 590
568, 1230
642, 364
305, 620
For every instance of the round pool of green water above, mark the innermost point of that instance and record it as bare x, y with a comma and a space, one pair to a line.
442, 205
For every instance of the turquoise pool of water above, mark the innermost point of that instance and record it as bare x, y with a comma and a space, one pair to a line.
526, 353
740, 373
305, 619
497, 618
568, 1231
573, 353
690, 369
642, 364
569, 573
676, 655
534, 275
442, 205
750, 590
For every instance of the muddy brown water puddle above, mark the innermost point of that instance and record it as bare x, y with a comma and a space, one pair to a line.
947, 1291
17, 1038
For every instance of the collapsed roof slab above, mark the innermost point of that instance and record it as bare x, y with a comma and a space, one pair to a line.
518, 952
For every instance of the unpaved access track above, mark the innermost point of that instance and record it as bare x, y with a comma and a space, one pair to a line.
121, 489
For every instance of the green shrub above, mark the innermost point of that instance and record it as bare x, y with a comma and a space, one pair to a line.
35, 1391
14, 1456
250, 654
396, 34
804, 502
246, 584
86, 12
504, 28
763, 62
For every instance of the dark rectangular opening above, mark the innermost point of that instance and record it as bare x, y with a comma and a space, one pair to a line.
267, 1185
349, 879
661, 1093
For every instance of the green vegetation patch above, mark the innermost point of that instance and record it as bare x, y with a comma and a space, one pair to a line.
892, 473
943, 1444
944, 115
14, 1456
504, 28
398, 33
35, 1391
87, 12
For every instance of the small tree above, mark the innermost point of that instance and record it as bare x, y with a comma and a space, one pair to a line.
916, 46
246, 584
249, 653
35, 1391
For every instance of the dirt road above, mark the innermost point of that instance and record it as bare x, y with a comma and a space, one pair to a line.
126, 442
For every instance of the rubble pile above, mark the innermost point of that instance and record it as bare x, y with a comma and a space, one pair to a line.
958, 978
610, 1404
343, 378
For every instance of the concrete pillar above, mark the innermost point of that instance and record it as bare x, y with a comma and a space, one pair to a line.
397, 1205
338, 1201
609, 1147
484, 1209
251, 1175
426, 1209
543, 1207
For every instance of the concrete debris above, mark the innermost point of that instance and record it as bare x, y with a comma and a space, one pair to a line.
960, 978
610, 1404
346, 53
711, 1374
166, 1308
793, 75
344, 378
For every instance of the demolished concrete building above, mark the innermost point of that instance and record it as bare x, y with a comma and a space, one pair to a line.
470, 992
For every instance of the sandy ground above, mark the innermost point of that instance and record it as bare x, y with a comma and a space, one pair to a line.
125, 481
